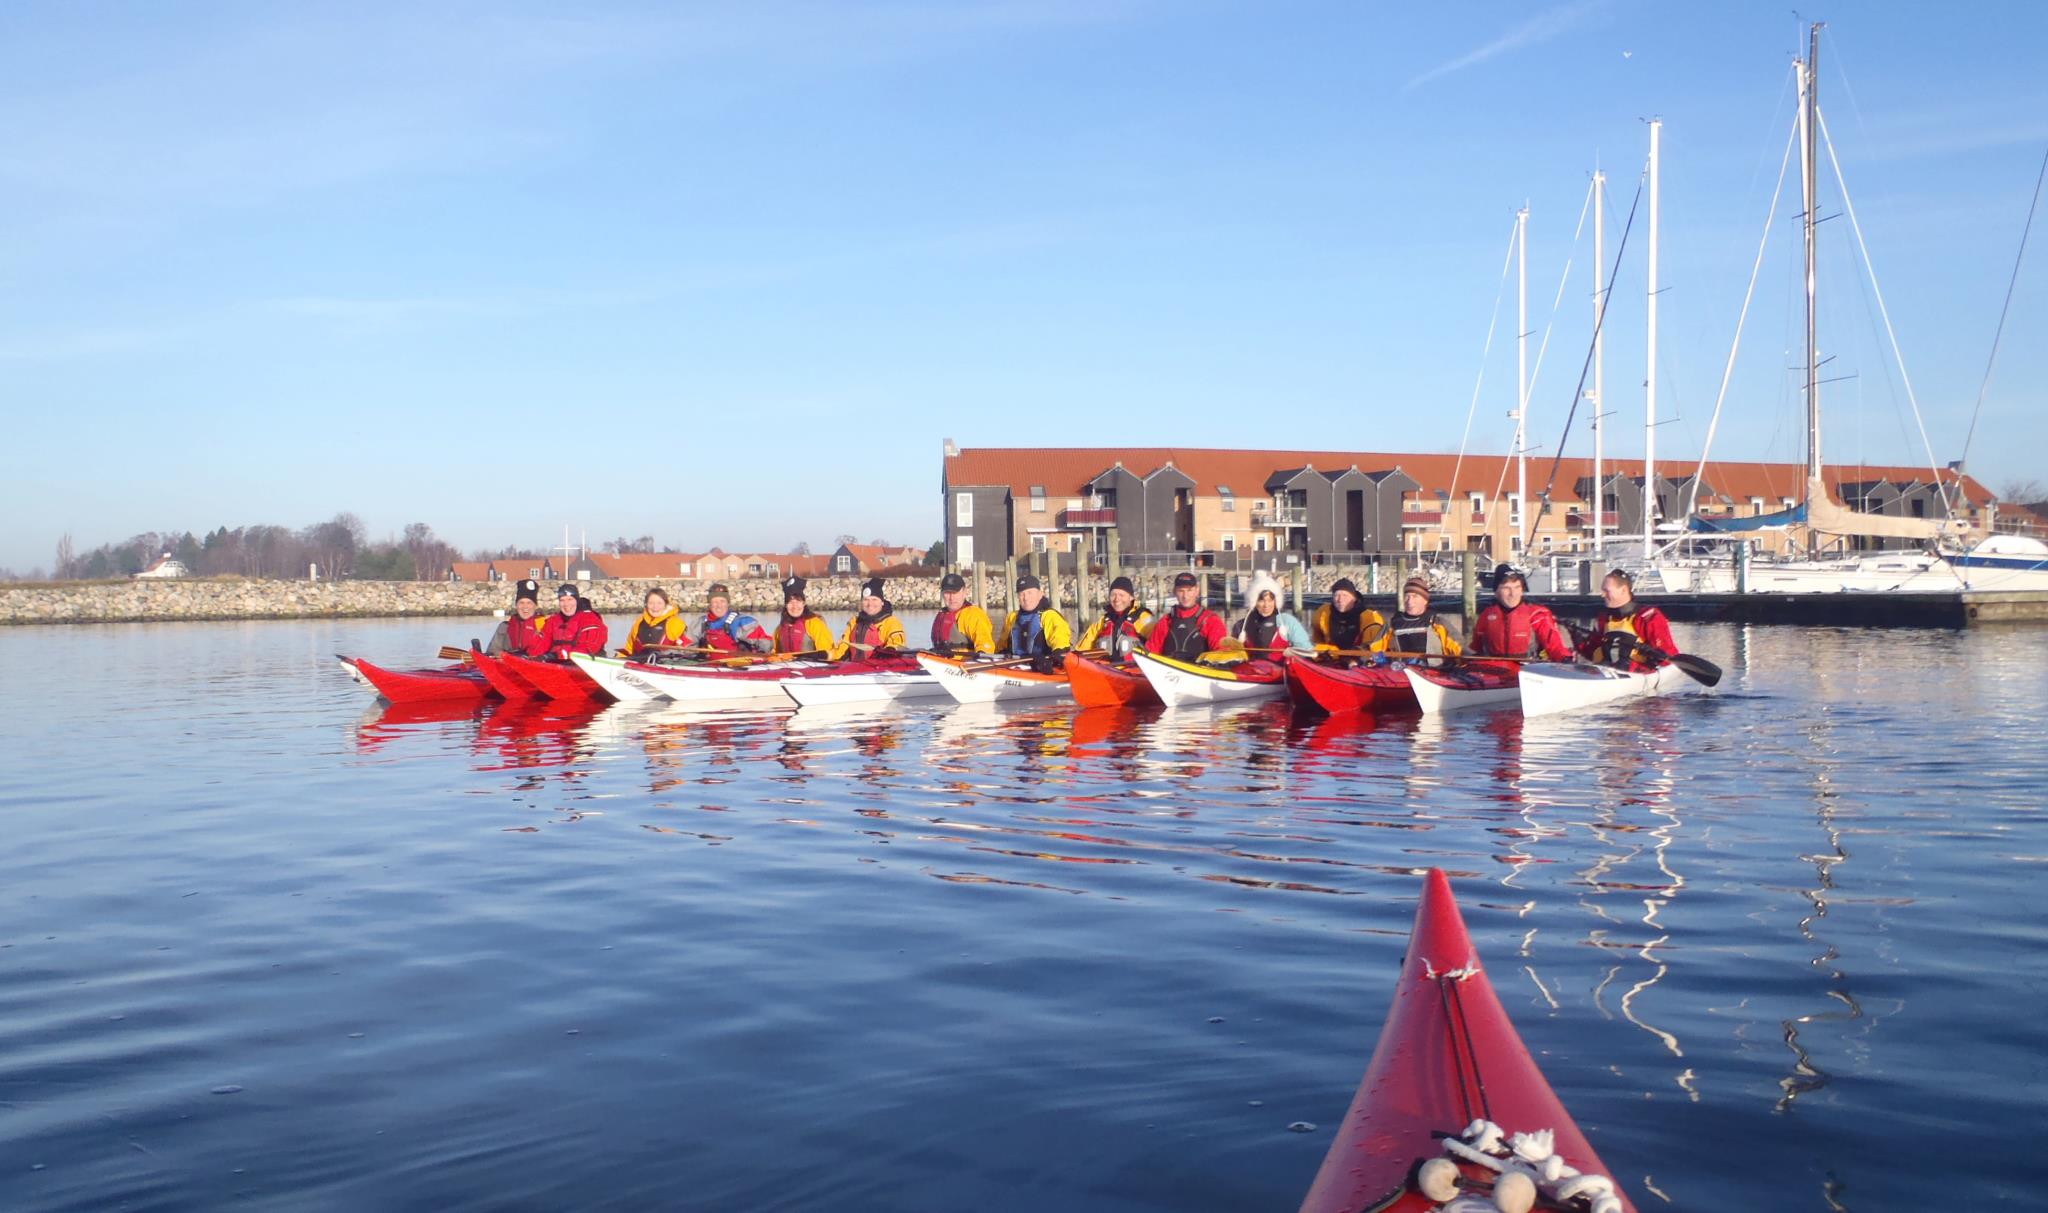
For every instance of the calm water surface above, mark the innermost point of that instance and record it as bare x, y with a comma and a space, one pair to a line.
265, 944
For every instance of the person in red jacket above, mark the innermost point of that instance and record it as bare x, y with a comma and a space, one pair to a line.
520, 634
1511, 626
574, 627
730, 631
1626, 628
1188, 629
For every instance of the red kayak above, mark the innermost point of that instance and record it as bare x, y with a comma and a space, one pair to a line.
1102, 684
420, 686
1365, 688
556, 679
1452, 1102
501, 677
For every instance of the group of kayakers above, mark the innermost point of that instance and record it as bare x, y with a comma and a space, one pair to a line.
1626, 634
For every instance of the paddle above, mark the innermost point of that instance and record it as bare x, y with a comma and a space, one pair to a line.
450, 653
983, 667
1699, 669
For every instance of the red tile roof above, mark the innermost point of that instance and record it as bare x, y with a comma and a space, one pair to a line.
645, 566
1065, 471
471, 570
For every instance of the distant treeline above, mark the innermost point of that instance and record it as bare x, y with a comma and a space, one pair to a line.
337, 546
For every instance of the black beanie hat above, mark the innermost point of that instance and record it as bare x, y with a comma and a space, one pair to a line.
718, 590
793, 588
872, 587
1124, 584
529, 590
1508, 572
567, 591
1343, 583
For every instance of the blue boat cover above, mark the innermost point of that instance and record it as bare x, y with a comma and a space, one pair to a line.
1796, 516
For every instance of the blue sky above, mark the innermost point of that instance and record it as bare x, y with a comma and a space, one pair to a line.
732, 273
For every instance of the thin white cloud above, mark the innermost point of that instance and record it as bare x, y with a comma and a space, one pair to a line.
1540, 28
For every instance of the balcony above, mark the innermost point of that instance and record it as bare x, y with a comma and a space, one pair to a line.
1279, 515
1097, 516
1478, 517
1422, 518
1584, 518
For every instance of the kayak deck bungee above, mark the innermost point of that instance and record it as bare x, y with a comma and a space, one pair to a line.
1361, 688
1465, 685
502, 679
1179, 682
1104, 684
1452, 1103
1548, 687
975, 682
457, 682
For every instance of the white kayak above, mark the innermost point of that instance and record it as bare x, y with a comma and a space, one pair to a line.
973, 682
611, 674
862, 688
699, 684
1180, 682
1435, 696
1548, 687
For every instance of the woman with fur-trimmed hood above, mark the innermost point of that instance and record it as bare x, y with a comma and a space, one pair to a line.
1267, 631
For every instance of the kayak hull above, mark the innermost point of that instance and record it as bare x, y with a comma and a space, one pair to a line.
1184, 682
966, 682
610, 673
1446, 1025
1462, 687
503, 679
1377, 689
451, 682
1551, 687
1102, 684
710, 684
555, 679
820, 690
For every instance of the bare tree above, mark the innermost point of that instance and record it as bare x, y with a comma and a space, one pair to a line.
66, 558
2023, 491
801, 549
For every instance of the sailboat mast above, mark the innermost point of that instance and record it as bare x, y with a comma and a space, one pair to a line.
1650, 382
1521, 376
1599, 337
1809, 184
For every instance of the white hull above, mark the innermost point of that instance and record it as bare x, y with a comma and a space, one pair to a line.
862, 688
2000, 563
611, 674
701, 685
1549, 687
992, 686
1435, 697
1177, 686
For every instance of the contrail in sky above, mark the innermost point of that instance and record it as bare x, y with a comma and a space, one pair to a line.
1539, 28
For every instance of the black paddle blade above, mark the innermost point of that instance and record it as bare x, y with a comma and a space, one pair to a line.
1702, 671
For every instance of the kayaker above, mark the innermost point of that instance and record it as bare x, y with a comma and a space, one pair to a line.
961, 628
1624, 626
519, 634
1267, 631
728, 630
800, 630
1343, 624
1124, 624
1035, 630
660, 626
574, 627
874, 630
1415, 628
1512, 626
1189, 628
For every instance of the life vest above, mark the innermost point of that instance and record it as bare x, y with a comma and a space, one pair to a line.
1343, 626
1119, 634
723, 633
1620, 632
1027, 634
942, 631
1499, 632
869, 631
1415, 633
1184, 639
524, 637
1261, 631
583, 632
648, 634
793, 635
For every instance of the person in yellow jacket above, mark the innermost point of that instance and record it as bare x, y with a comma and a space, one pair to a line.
1124, 624
874, 630
800, 630
961, 629
1414, 628
1343, 624
1035, 630
661, 625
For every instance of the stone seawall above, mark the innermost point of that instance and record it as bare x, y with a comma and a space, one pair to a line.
201, 599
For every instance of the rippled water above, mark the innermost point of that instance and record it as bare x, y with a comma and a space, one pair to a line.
261, 942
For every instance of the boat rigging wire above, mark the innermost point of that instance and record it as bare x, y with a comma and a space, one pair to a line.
1493, 322
1536, 371
1999, 333
1728, 371
1585, 368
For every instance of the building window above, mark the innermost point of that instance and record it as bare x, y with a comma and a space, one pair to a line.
1787, 502
963, 550
1038, 499
1230, 543
1229, 501
1756, 505
1514, 509
1258, 543
683, 569
842, 564
1444, 544
1038, 543
963, 509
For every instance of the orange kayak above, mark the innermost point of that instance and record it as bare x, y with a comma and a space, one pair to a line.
1103, 684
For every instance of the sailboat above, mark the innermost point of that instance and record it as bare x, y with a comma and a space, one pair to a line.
1940, 565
